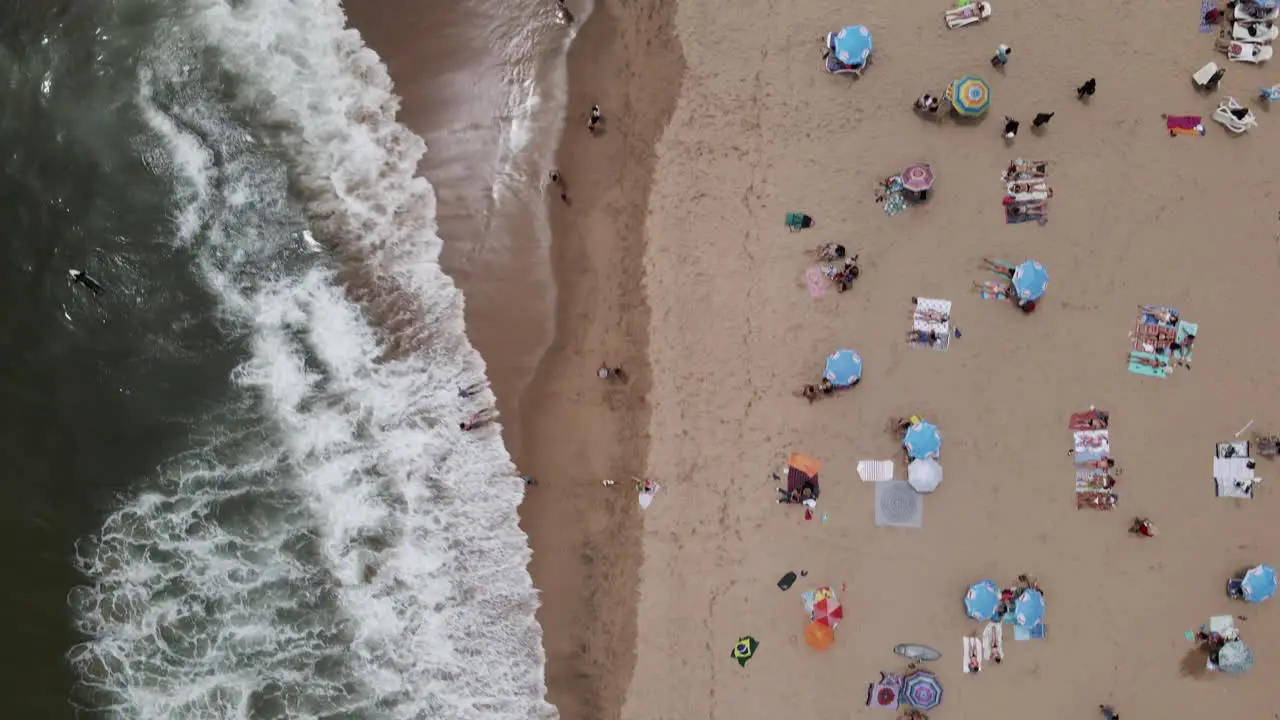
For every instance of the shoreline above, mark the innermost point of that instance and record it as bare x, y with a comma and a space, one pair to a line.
576, 429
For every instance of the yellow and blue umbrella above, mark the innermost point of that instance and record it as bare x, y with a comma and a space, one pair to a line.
970, 96
852, 45
922, 441
1259, 584
844, 368
1031, 280
983, 600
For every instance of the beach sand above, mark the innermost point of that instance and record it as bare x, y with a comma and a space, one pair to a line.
1137, 217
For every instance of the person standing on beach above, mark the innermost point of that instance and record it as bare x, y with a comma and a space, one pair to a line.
1042, 119
1010, 128
558, 180
1001, 58
594, 120
1089, 87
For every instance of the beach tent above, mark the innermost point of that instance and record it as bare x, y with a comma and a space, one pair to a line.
924, 475
922, 440
802, 471
1259, 584
983, 600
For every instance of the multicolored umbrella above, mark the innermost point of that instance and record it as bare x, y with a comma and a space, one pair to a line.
918, 178
982, 600
1259, 584
1031, 280
925, 475
970, 96
1029, 609
852, 45
844, 368
826, 607
819, 636
922, 689
923, 440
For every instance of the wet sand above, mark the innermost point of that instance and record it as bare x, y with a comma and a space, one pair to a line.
1137, 217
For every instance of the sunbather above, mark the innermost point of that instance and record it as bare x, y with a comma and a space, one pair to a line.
1024, 170
932, 315
1030, 186
1156, 363
923, 337
998, 267
973, 10
1033, 208
1096, 501
975, 662
1164, 315
1104, 463
830, 252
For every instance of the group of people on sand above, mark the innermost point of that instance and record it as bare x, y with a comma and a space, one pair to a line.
484, 416
843, 269
1006, 289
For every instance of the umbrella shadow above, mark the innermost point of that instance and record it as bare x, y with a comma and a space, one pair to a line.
967, 120
1193, 664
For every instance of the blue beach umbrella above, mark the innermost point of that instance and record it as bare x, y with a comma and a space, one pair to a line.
1029, 609
982, 600
922, 441
1031, 280
1259, 583
844, 368
852, 45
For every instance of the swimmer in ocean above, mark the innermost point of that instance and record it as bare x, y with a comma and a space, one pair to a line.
79, 276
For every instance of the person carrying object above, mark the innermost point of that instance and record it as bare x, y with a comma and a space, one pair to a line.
1001, 58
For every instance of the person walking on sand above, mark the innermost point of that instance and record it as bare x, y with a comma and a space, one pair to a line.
610, 373
1001, 58
558, 180
1108, 712
1010, 128
594, 119
1042, 119
1089, 87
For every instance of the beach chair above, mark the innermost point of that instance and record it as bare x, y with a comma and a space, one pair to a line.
1208, 77
1248, 52
967, 14
1226, 113
1254, 32
1271, 94
1242, 14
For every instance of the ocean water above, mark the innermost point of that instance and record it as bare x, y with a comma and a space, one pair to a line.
236, 484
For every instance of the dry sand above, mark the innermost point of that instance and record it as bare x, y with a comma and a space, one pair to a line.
1138, 217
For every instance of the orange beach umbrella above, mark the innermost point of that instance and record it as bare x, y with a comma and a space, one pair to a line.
819, 636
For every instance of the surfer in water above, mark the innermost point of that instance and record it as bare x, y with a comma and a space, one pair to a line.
79, 276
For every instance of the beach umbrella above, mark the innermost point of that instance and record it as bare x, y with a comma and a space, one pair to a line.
922, 440
1031, 280
1259, 583
924, 475
819, 636
1235, 658
970, 96
852, 45
1029, 609
917, 178
844, 368
922, 689
826, 608
983, 600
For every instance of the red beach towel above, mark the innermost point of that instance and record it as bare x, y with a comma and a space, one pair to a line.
1182, 122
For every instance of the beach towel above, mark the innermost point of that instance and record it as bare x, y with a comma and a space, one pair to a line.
1140, 368
993, 642
817, 282
1185, 330
1205, 7
995, 291
898, 505
884, 692
1184, 124
921, 321
895, 203
1083, 420
1091, 480
1091, 444
971, 647
1232, 475
1012, 219
1152, 337
1103, 500
875, 470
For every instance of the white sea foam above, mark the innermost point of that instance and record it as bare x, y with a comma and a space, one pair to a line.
333, 545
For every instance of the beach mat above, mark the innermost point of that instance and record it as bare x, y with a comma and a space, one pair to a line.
1205, 7
816, 282
895, 203
1090, 444
884, 692
1138, 368
942, 328
875, 470
898, 505
1191, 125
1081, 420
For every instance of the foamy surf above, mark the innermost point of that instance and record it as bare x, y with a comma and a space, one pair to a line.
332, 545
